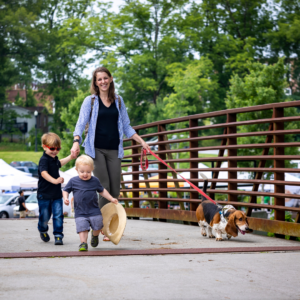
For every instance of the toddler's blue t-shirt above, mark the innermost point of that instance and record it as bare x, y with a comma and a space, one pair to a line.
85, 196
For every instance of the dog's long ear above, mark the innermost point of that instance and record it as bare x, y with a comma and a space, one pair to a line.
231, 227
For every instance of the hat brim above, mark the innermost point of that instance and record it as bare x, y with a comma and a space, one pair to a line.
114, 221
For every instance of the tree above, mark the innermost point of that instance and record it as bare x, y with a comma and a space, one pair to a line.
145, 41
17, 48
194, 88
70, 116
62, 46
229, 33
285, 39
264, 84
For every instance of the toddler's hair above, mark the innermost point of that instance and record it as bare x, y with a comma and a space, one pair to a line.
84, 160
51, 139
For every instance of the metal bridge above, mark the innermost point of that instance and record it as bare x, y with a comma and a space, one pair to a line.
220, 130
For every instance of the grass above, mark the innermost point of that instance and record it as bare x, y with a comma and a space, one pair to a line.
12, 147
9, 156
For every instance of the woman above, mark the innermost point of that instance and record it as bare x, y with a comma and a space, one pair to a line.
108, 121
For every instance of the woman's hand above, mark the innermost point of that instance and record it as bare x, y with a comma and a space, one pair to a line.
75, 150
145, 146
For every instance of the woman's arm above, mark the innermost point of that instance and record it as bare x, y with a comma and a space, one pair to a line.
83, 119
138, 139
128, 130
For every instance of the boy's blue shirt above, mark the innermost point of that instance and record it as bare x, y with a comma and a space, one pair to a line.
85, 196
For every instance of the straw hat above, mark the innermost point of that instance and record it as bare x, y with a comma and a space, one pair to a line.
114, 221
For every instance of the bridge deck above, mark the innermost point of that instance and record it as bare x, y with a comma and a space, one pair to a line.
258, 275
139, 235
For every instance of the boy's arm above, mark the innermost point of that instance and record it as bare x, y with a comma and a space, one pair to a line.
108, 196
66, 197
49, 178
65, 160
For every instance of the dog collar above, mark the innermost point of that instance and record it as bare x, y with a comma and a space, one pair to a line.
223, 220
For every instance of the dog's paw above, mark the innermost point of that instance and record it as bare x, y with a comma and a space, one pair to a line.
211, 236
219, 239
204, 234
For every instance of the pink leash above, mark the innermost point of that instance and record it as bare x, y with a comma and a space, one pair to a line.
144, 167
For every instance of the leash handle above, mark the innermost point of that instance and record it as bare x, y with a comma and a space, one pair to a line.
146, 164
144, 160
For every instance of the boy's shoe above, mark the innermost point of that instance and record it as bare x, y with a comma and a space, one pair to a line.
45, 237
58, 241
83, 247
94, 240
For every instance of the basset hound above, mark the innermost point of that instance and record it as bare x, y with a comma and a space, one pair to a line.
226, 220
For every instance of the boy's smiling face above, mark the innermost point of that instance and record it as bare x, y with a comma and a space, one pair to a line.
84, 172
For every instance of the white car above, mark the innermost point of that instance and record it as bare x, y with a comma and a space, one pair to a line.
8, 204
33, 207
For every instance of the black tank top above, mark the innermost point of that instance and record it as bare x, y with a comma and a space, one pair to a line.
107, 132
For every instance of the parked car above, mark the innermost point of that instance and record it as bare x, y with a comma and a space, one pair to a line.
28, 165
32, 205
23, 169
8, 203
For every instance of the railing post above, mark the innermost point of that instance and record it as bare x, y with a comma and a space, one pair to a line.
215, 174
193, 165
279, 215
231, 118
162, 204
135, 185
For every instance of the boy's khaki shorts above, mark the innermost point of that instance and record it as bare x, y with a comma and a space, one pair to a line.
23, 214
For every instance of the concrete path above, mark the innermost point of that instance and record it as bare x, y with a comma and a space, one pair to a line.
257, 275
23, 236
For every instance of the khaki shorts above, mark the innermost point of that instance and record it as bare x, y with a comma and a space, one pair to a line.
23, 214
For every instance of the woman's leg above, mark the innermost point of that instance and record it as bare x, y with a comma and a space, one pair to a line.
101, 173
114, 172
108, 171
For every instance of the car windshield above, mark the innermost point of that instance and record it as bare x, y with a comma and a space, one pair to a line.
4, 198
32, 199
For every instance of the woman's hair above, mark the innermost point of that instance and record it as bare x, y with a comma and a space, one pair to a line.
84, 160
95, 89
51, 139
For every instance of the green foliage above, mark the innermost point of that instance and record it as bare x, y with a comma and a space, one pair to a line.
30, 100
152, 48
31, 139
194, 88
145, 44
264, 84
70, 115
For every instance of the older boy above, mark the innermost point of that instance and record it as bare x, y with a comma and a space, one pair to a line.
87, 212
49, 188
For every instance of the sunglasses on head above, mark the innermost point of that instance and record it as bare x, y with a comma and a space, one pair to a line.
53, 148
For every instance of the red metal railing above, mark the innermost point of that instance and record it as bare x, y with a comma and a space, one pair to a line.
225, 134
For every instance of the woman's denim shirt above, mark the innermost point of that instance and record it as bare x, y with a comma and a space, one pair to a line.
84, 117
